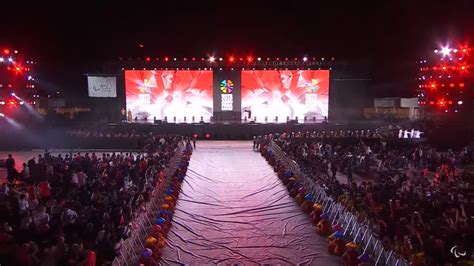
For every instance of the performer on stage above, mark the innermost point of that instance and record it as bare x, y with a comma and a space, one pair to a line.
405, 134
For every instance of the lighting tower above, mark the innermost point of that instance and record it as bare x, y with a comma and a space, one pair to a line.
16, 78
445, 82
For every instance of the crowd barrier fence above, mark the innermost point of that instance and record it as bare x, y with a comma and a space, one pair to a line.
355, 229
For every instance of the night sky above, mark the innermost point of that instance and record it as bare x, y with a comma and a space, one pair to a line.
69, 40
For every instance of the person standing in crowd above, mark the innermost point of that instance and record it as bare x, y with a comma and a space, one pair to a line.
259, 139
12, 173
25, 173
334, 169
254, 142
194, 142
350, 171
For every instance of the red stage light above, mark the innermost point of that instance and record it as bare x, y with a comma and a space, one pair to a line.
148, 59
431, 102
194, 58
208, 135
461, 85
6, 51
450, 102
434, 68
444, 68
231, 59
166, 59
249, 59
464, 50
463, 67
18, 68
195, 135
433, 85
451, 85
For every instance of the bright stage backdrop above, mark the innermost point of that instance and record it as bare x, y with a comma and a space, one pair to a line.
169, 93
285, 93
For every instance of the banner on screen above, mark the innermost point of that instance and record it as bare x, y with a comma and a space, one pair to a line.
285, 93
102, 86
159, 94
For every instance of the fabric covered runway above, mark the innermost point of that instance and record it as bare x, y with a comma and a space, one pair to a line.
233, 209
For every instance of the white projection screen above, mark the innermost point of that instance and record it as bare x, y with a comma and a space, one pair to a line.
102, 86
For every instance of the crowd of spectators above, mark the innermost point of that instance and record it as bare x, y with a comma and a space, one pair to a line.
76, 209
418, 201
106, 139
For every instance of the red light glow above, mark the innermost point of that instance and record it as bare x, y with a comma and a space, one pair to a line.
6, 51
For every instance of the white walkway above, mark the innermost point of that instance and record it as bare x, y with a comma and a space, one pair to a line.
233, 209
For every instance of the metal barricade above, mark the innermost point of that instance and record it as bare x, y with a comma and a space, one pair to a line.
360, 233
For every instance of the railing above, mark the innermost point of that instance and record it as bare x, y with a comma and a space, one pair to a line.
131, 248
357, 231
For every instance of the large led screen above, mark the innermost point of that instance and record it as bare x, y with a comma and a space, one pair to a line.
170, 94
285, 93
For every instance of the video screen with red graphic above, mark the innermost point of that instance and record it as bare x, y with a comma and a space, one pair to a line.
159, 94
285, 93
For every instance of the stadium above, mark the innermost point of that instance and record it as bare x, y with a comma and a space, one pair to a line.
126, 140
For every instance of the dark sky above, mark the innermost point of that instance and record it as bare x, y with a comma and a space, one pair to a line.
69, 40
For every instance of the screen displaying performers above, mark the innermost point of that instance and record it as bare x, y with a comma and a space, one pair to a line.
169, 93
285, 93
